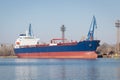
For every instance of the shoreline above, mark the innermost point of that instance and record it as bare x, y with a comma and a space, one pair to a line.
8, 57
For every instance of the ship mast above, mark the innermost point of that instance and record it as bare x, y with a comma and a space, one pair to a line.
63, 33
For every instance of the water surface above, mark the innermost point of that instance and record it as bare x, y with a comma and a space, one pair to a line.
60, 69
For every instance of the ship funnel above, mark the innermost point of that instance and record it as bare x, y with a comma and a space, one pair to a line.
30, 32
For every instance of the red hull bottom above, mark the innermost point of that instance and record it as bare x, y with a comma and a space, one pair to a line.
74, 55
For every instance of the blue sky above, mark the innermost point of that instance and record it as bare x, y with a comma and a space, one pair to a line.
47, 16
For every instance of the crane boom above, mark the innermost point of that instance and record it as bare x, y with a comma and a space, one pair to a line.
93, 25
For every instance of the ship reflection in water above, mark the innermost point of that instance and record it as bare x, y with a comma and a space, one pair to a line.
59, 69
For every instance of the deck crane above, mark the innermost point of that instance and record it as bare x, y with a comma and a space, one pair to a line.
93, 25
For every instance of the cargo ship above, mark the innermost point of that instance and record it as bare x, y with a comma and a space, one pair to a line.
28, 46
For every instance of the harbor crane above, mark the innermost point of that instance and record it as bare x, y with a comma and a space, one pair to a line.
93, 25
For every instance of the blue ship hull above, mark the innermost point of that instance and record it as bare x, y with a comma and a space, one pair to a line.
59, 51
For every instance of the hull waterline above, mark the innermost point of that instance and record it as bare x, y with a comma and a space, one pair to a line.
71, 55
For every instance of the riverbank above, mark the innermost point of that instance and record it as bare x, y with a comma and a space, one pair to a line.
7, 50
8, 57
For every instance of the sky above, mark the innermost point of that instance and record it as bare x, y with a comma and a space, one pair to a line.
47, 16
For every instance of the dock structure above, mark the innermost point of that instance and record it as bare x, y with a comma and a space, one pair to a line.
117, 25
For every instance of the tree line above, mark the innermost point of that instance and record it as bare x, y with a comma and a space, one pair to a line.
6, 50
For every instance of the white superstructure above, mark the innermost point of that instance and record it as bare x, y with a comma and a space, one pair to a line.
26, 39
